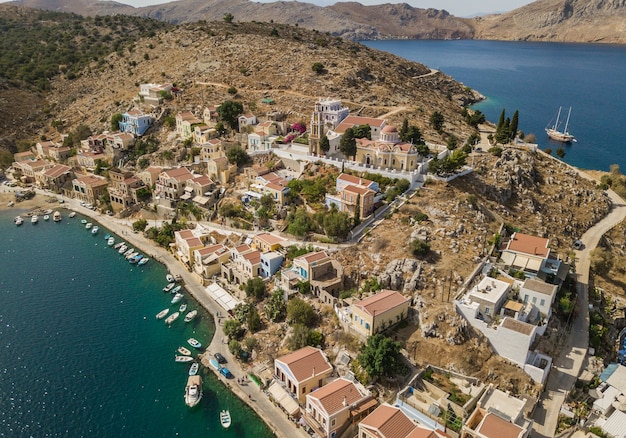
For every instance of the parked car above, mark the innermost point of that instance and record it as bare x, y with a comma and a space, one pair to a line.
578, 244
219, 358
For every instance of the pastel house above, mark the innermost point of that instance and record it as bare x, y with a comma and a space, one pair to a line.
302, 371
378, 312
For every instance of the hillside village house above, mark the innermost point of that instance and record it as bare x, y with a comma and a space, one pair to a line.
23, 156
270, 263
391, 422
153, 93
203, 134
353, 191
211, 149
324, 275
208, 261
333, 407
245, 264
29, 169
135, 122
150, 175
171, 185
186, 243
525, 252
266, 242
49, 149
89, 188
55, 177
271, 184
378, 312
540, 294
220, 169
123, 188
264, 137
111, 144
201, 190
89, 160
244, 120
497, 415
185, 124
302, 371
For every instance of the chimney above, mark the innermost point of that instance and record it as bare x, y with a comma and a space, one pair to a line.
345, 401
313, 372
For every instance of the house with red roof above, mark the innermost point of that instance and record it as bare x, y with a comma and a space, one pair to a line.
89, 188
245, 264
324, 274
122, 190
266, 242
55, 177
171, 184
30, 167
208, 261
186, 243
378, 312
302, 371
333, 407
353, 192
185, 124
391, 422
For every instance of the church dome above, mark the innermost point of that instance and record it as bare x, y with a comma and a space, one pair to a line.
389, 129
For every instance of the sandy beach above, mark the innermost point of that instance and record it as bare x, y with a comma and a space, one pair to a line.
249, 392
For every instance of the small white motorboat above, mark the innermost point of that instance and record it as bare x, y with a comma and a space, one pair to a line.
56, 216
169, 287
11, 204
118, 244
34, 219
225, 418
122, 249
184, 351
169, 278
95, 230
193, 369
46, 217
129, 251
191, 315
83, 221
132, 255
182, 308
177, 298
173, 317
193, 391
111, 241
72, 214
194, 343
88, 225
176, 289
162, 313
183, 358
18, 221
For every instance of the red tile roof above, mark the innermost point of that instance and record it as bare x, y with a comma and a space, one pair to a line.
268, 238
179, 174
381, 302
306, 361
390, 422
313, 257
57, 171
493, 426
352, 121
529, 244
354, 180
333, 396
358, 190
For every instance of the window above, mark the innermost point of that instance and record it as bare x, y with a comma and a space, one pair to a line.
525, 298
534, 300
487, 310
361, 321
333, 422
303, 389
542, 303
367, 325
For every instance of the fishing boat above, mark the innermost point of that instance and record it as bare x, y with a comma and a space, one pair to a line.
56, 216
191, 315
88, 225
135, 259
182, 308
225, 418
106, 236
555, 134
128, 252
95, 230
72, 214
177, 298
118, 244
193, 391
193, 369
214, 363
18, 221
10, 204
184, 351
34, 219
173, 317
176, 289
143, 261
169, 287
122, 249
162, 313
83, 221
131, 255
110, 241
183, 358
169, 278
194, 343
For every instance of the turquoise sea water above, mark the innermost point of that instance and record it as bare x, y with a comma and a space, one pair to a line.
537, 78
82, 353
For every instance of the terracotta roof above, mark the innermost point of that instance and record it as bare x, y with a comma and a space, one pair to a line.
242, 248
518, 326
357, 189
352, 121
389, 129
390, 422
92, 180
540, 286
381, 302
529, 244
35, 164
306, 361
333, 396
268, 238
354, 180
193, 242
274, 186
493, 426
179, 174
211, 249
185, 234
57, 171
253, 256
422, 432
202, 180
220, 160
313, 257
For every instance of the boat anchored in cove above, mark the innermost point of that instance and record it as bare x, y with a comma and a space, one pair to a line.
193, 391
563, 136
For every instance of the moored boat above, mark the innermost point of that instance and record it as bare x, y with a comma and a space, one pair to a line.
555, 134
128, 252
56, 216
194, 343
173, 317
193, 369
34, 219
83, 221
214, 363
46, 217
169, 278
177, 298
143, 261
225, 418
184, 351
122, 249
110, 241
95, 230
183, 358
182, 308
191, 315
118, 244
169, 287
162, 313
88, 225
18, 221
72, 214
135, 259
176, 289
193, 391
132, 255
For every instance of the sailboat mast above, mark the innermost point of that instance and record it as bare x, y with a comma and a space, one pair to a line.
567, 122
558, 116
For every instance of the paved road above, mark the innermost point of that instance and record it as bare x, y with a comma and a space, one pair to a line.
568, 365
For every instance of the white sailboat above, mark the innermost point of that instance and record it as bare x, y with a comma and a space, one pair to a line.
564, 135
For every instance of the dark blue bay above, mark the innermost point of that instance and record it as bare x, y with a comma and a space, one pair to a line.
81, 351
537, 78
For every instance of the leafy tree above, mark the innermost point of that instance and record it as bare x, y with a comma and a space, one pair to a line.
403, 185
380, 356
560, 152
229, 111
337, 224
228, 17
140, 225
254, 320
236, 155
304, 287
437, 121
474, 118
363, 131
255, 287
299, 337
234, 346
324, 144
414, 135
300, 223
452, 142
250, 343
300, 312
347, 144
115, 121
232, 91
276, 308
232, 328
419, 248
318, 68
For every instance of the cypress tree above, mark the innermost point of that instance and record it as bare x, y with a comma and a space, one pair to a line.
404, 130
514, 124
357, 211
500, 124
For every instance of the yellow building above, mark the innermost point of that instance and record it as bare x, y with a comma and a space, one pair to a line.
388, 152
266, 242
302, 371
378, 312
